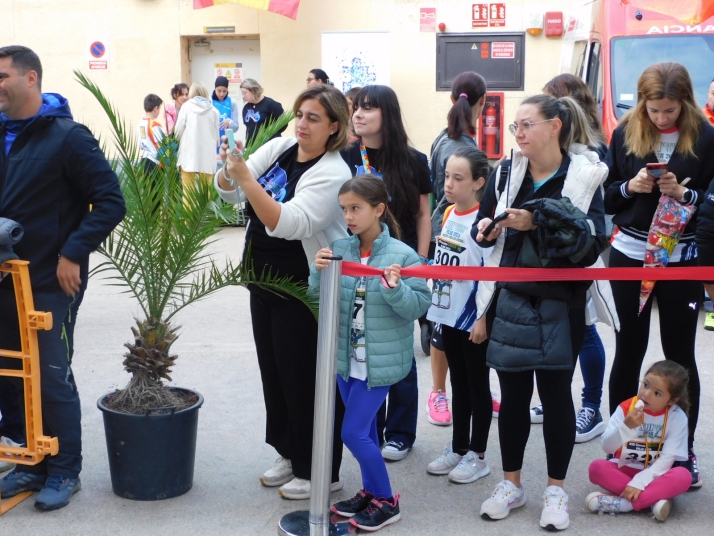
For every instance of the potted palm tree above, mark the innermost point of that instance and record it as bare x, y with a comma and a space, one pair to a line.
159, 255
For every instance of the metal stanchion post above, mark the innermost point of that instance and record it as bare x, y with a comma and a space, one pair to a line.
317, 522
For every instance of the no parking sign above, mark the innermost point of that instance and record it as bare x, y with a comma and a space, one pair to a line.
98, 54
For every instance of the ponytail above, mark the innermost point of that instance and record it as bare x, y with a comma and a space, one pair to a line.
575, 125
391, 222
373, 190
467, 90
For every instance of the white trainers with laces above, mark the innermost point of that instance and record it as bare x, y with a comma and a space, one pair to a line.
470, 469
504, 498
444, 463
278, 475
299, 488
6, 466
555, 514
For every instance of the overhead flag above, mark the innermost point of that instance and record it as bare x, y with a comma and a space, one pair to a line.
287, 8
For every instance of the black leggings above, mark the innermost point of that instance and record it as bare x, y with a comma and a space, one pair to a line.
678, 303
471, 403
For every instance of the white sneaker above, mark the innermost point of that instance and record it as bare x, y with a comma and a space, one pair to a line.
278, 475
537, 414
7, 466
444, 463
299, 488
470, 469
555, 515
504, 498
661, 509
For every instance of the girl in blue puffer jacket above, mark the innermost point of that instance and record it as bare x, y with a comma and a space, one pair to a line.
376, 338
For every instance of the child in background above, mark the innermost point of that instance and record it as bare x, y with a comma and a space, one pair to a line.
454, 308
647, 435
376, 337
150, 132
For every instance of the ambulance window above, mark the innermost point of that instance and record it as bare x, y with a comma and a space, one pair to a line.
578, 59
593, 78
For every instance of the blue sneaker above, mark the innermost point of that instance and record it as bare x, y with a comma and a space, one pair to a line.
19, 481
57, 492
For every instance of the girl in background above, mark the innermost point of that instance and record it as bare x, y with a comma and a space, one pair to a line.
179, 93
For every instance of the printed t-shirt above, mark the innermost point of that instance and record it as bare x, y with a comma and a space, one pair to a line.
280, 256
358, 354
255, 115
353, 157
635, 451
453, 303
150, 134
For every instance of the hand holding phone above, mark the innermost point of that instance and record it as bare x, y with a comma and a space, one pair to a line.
231, 140
491, 226
656, 170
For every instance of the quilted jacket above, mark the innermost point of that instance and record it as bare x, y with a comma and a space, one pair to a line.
389, 313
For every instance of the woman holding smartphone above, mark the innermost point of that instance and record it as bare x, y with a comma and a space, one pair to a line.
665, 127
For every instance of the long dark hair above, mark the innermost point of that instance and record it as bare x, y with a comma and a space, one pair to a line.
677, 379
466, 90
569, 85
374, 191
398, 163
478, 165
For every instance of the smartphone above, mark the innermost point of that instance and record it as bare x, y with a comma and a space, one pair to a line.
491, 226
231, 140
656, 170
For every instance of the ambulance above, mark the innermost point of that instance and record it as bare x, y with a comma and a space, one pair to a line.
608, 43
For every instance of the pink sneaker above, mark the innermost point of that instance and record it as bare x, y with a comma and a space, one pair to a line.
438, 409
496, 405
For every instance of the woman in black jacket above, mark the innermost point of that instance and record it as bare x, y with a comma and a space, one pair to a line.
666, 126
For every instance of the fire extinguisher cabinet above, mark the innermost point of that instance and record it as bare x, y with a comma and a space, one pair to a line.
491, 127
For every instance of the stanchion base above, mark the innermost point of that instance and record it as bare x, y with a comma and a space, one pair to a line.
298, 524
17, 499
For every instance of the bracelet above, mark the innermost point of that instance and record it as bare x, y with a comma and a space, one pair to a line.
225, 176
239, 154
423, 259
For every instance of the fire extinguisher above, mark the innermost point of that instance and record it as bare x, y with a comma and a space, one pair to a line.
490, 129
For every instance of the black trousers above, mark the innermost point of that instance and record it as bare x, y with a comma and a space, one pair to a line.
678, 303
471, 405
285, 334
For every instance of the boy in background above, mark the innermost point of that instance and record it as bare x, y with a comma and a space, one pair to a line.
150, 132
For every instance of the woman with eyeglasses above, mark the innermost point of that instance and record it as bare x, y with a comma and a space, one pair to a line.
665, 126
317, 77
258, 109
554, 218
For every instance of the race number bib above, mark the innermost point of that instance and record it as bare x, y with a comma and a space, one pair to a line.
447, 253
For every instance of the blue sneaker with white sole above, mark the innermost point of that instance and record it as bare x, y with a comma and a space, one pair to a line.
57, 492
18, 481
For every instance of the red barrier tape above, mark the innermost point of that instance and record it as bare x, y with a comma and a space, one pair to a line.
509, 275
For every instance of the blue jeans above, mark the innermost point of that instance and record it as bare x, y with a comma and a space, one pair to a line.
61, 411
359, 433
398, 420
592, 367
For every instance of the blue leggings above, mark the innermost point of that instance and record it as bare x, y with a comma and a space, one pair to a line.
359, 433
592, 366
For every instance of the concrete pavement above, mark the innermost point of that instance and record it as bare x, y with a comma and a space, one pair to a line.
217, 358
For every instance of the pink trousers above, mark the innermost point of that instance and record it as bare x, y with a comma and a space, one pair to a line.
615, 479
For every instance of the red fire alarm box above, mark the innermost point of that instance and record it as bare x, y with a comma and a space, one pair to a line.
553, 23
491, 127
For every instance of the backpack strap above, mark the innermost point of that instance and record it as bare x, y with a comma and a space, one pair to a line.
503, 172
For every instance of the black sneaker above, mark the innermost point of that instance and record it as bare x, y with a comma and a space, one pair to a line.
537, 414
691, 465
379, 513
395, 451
354, 505
588, 425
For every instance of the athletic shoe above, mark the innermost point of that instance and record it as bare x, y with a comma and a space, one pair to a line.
470, 469
496, 405
437, 409
299, 488
379, 513
57, 492
354, 505
19, 481
395, 451
709, 322
602, 503
693, 468
281, 474
555, 514
661, 509
588, 425
4, 465
504, 498
537, 414
444, 463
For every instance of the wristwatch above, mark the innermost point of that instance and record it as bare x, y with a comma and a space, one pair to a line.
687, 196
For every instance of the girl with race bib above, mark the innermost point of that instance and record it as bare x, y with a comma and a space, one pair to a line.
453, 305
376, 337
648, 436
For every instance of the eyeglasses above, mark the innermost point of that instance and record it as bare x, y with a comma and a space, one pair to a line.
310, 80
525, 126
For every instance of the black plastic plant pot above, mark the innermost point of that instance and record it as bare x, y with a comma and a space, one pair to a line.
151, 456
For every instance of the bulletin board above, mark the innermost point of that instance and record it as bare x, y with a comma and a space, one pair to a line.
353, 59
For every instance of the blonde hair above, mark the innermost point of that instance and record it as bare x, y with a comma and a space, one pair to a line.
575, 127
335, 104
667, 80
197, 89
253, 86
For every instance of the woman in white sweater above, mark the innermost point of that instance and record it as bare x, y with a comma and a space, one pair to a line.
197, 131
291, 187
